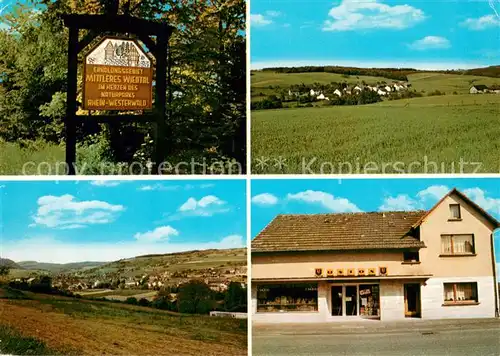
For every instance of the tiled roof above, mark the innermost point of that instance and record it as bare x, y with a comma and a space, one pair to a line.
332, 232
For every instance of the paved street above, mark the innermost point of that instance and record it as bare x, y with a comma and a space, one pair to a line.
452, 337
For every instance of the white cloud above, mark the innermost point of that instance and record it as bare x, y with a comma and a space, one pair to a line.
207, 206
402, 202
265, 199
203, 207
434, 192
481, 23
105, 183
371, 14
326, 200
47, 249
162, 233
159, 186
65, 212
72, 226
430, 42
478, 196
162, 187
259, 20
231, 241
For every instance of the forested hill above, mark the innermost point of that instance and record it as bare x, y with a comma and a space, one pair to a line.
391, 73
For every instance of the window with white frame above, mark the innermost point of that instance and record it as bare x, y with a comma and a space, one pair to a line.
460, 292
455, 212
461, 244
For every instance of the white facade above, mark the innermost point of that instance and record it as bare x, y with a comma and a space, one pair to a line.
432, 299
392, 302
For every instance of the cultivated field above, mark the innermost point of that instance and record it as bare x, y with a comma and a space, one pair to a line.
444, 129
44, 324
176, 262
118, 294
448, 83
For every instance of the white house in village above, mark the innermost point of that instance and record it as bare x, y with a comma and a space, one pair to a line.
347, 90
477, 89
338, 93
381, 92
398, 87
433, 264
322, 97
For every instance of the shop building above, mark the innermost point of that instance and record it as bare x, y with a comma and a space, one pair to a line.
431, 264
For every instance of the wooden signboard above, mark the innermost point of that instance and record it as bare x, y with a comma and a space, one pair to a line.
118, 75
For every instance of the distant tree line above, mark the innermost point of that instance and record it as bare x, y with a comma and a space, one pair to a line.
391, 73
41, 284
196, 297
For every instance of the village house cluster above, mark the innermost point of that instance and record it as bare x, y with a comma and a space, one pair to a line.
218, 279
344, 89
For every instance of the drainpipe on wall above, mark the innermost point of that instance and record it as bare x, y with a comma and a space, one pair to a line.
495, 286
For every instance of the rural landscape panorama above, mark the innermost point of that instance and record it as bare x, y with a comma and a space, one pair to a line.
400, 88
73, 280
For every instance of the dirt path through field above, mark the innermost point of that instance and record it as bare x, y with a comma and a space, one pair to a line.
100, 336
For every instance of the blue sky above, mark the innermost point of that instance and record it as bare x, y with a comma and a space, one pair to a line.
380, 33
273, 197
68, 221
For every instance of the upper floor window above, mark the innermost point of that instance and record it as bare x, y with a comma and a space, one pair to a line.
456, 293
455, 212
411, 256
457, 244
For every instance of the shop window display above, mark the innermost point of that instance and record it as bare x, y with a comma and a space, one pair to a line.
287, 298
369, 300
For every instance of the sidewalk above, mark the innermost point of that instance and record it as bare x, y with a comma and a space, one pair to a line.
375, 327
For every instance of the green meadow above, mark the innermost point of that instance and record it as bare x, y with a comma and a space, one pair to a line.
362, 139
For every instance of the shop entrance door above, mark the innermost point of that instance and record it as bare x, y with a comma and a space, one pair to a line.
337, 301
351, 300
412, 300
345, 300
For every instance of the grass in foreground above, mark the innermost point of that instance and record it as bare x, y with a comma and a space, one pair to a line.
16, 160
437, 129
95, 327
13, 343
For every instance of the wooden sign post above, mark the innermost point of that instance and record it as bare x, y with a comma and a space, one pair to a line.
118, 75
